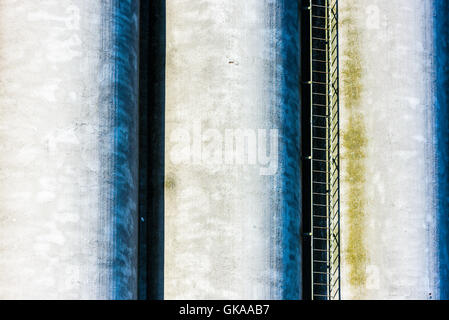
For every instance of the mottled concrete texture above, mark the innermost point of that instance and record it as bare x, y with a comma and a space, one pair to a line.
397, 200
68, 149
230, 231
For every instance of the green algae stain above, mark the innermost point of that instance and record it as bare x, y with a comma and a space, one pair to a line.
170, 182
354, 142
352, 71
354, 145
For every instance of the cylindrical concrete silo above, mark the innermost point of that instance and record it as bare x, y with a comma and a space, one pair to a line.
68, 149
232, 177
390, 187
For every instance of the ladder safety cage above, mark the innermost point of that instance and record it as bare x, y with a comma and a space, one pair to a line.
325, 158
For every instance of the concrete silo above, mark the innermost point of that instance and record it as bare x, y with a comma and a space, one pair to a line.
68, 157
232, 159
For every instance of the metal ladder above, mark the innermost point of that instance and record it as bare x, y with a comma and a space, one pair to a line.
325, 159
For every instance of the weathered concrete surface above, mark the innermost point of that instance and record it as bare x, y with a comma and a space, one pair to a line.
68, 153
232, 229
389, 229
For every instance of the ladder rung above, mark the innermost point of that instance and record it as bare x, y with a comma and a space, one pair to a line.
320, 182
318, 82
319, 5
320, 28
320, 205
319, 261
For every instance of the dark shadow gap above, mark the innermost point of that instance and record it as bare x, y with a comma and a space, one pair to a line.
151, 150
305, 147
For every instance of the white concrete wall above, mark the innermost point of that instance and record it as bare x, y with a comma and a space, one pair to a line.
224, 223
388, 237
56, 124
